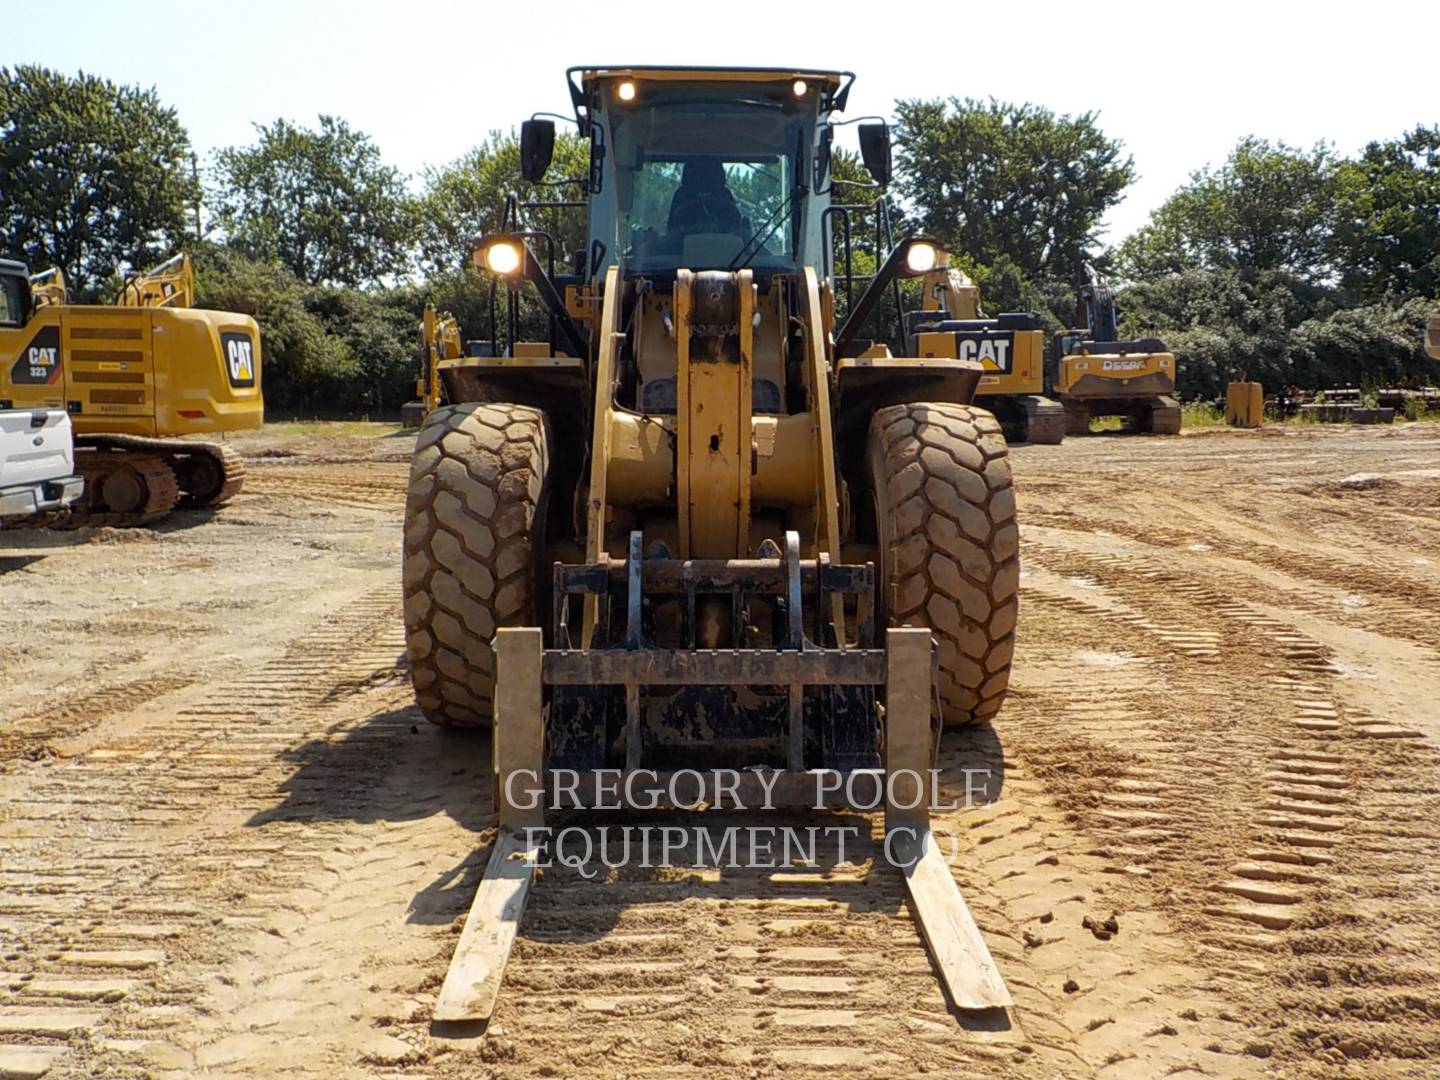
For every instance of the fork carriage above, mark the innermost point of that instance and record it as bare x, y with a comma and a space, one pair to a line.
792, 692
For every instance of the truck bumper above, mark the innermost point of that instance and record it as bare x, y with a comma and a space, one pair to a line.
32, 499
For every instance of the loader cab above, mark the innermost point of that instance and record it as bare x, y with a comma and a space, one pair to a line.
706, 172
15, 300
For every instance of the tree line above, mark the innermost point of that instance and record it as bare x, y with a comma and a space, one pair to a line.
1288, 264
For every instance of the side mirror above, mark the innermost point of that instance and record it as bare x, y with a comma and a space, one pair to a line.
537, 147
875, 151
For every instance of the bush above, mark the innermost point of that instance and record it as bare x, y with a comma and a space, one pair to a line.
1377, 345
327, 351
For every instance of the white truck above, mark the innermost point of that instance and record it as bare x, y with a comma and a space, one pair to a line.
37, 465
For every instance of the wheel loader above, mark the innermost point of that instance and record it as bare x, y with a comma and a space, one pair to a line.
1094, 374
134, 378
706, 525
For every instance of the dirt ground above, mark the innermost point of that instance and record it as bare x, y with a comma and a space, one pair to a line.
229, 846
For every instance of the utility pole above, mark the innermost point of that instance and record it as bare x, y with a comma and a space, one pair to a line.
195, 176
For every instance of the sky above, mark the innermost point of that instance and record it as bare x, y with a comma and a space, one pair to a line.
428, 79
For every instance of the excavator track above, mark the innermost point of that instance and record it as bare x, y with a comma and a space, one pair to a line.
122, 470
1044, 420
121, 489
208, 474
1164, 416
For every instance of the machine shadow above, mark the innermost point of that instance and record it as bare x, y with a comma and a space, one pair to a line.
185, 520
9, 563
972, 765
394, 766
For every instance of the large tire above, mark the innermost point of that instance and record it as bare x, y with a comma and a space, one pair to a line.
949, 544
474, 527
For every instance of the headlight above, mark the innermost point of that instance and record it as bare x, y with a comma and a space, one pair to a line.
502, 257
921, 258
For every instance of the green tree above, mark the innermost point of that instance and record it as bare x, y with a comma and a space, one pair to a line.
1219, 324
1387, 233
466, 198
95, 174
1374, 344
322, 202
993, 179
1270, 207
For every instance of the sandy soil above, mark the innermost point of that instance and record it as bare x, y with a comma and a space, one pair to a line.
230, 847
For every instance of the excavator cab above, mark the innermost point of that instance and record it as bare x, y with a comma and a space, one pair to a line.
15, 296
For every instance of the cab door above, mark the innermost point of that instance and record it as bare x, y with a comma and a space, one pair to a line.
31, 360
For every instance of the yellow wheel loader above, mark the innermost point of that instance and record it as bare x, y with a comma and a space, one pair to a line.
1094, 374
1011, 348
704, 527
134, 377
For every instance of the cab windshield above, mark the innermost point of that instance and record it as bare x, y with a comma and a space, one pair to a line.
708, 180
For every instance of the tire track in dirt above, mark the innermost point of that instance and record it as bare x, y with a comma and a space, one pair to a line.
360, 485
1314, 844
30, 735
1357, 593
820, 966
107, 855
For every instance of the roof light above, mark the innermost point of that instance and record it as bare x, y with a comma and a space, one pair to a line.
800, 86
626, 91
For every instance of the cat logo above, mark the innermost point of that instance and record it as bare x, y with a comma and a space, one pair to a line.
992, 350
43, 361
239, 359
39, 362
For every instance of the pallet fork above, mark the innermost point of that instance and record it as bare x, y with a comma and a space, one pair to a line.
902, 670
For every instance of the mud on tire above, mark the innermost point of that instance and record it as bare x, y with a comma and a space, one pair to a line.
949, 544
474, 523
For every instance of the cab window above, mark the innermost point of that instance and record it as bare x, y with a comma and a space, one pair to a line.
12, 301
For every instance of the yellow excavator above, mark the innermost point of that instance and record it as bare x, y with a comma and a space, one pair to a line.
134, 377
1094, 374
439, 342
707, 529
1010, 347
